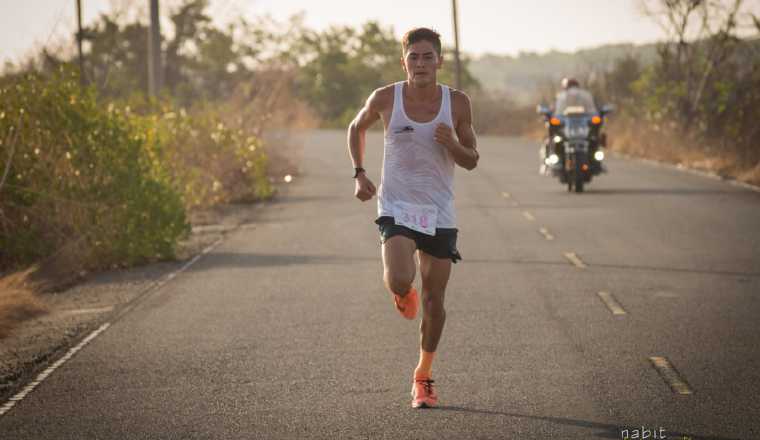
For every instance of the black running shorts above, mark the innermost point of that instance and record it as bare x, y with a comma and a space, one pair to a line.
441, 245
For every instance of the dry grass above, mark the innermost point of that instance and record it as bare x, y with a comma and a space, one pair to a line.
751, 176
19, 291
665, 144
17, 302
497, 114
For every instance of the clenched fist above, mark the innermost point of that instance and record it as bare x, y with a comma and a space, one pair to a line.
444, 135
364, 189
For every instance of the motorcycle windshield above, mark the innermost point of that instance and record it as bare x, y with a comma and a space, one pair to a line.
574, 101
577, 127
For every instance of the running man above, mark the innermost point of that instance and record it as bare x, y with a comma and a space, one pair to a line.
416, 197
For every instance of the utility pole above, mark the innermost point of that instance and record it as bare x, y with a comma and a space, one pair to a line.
456, 45
154, 51
80, 37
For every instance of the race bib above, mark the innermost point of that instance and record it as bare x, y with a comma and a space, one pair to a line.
420, 218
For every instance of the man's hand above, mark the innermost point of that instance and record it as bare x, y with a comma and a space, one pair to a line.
444, 135
365, 189
464, 156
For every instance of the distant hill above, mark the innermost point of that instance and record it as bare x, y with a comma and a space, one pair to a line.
525, 76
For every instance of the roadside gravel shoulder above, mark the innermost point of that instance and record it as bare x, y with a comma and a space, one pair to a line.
78, 310
686, 169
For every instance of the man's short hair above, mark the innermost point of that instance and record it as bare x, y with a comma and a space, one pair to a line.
421, 34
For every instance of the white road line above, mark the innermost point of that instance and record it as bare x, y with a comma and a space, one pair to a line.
528, 216
87, 311
212, 228
547, 235
31, 386
670, 375
611, 303
506, 195
18, 397
575, 260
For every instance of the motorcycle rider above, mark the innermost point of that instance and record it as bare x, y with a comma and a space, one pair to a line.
571, 98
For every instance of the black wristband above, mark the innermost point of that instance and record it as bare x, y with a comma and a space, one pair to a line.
358, 170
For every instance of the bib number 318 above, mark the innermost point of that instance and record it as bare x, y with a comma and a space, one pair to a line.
420, 218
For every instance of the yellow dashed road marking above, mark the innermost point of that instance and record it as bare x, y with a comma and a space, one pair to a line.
611, 303
547, 235
575, 260
669, 374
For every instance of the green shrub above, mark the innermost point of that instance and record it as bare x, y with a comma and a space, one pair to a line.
78, 174
203, 159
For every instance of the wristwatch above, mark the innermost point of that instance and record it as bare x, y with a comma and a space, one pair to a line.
358, 170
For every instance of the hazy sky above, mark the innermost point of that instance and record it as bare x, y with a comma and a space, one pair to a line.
498, 26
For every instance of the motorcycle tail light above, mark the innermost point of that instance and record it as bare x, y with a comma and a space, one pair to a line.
596, 120
584, 167
554, 121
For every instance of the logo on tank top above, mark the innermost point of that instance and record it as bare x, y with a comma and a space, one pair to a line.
406, 129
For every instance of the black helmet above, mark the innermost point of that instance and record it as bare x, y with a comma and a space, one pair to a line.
570, 82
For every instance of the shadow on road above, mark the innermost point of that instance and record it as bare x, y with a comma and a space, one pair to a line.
657, 191
606, 430
301, 199
516, 261
499, 207
678, 270
228, 259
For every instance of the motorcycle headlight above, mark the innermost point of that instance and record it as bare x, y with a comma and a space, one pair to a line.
552, 160
557, 139
599, 155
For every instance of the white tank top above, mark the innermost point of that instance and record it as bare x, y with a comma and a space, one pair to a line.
416, 169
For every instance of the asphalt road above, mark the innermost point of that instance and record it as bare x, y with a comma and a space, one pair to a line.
285, 331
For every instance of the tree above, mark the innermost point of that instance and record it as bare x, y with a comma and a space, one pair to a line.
707, 76
341, 65
702, 36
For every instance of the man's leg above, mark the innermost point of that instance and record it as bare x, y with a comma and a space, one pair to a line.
398, 273
435, 276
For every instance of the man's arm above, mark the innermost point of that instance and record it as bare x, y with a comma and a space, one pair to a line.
369, 114
464, 150
357, 129
559, 103
588, 102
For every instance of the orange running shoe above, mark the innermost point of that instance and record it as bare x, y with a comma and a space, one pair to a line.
408, 304
423, 394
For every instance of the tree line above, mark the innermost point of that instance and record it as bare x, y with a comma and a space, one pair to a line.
703, 88
332, 70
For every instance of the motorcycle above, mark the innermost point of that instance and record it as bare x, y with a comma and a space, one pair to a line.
574, 150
